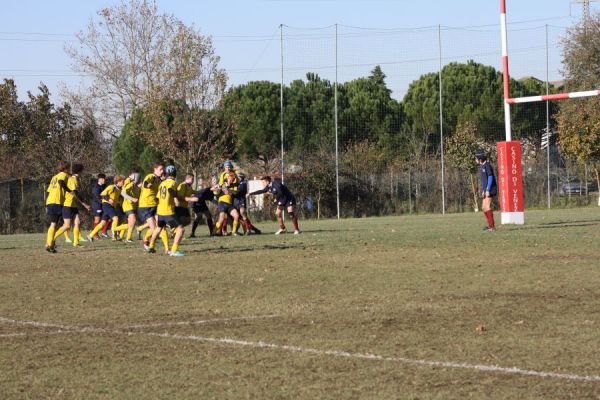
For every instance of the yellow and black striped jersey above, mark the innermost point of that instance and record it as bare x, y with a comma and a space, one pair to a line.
56, 193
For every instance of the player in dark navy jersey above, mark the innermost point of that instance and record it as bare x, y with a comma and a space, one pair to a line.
239, 202
97, 188
489, 188
201, 209
285, 201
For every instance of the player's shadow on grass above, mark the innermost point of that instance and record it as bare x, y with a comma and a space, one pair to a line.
566, 224
221, 250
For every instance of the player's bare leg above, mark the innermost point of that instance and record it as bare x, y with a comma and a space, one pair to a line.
279, 214
236, 221
131, 220
176, 241
63, 229
294, 218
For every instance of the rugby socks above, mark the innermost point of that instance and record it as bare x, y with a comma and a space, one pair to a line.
281, 224
59, 233
105, 229
236, 226
66, 235
211, 226
165, 239
294, 220
175, 247
489, 215
76, 236
129, 233
50, 235
148, 235
97, 229
115, 227
195, 225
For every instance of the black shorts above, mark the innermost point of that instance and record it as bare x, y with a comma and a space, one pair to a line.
239, 203
108, 212
183, 215
130, 212
168, 220
493, 192
54, 212
224, 207
200, 207
69, 212
286, 202
145, 213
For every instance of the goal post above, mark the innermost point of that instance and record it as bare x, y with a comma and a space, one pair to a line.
510, 165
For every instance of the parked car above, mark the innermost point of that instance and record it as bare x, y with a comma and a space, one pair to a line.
577, 188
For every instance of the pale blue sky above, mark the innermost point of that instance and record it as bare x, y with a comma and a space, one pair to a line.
246, 36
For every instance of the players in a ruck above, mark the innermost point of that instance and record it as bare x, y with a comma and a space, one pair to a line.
284, 199
111, 196
239, 202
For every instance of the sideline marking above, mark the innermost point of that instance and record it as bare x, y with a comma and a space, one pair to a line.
308, 350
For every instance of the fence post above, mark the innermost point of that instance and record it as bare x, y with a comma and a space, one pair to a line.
335, 96
441, 121
281, 98
548, 121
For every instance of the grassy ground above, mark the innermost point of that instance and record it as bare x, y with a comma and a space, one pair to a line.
412, 287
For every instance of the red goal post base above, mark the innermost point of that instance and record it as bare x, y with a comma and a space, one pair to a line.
510, 183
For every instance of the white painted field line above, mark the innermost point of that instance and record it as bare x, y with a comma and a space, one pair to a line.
199, 322
38, 324
331, 353
375, 357
37, 334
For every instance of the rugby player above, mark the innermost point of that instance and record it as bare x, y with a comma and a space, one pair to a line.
489, 188
285, 201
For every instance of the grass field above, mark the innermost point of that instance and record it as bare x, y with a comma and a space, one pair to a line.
362, 308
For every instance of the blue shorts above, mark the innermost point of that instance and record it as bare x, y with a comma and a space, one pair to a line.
54, 209
145, 213
286, 202
224, 207
97, 210
130, 212
54, 212
108, 212
170, 220
239, 203
69, 212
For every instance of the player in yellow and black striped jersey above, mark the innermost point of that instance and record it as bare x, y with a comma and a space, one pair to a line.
185, 194
70, 212
167, 202
148, 203
130, 194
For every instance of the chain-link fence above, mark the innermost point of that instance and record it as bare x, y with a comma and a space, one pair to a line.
368, 115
